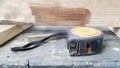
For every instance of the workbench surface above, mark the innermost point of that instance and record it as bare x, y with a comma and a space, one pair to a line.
55, 53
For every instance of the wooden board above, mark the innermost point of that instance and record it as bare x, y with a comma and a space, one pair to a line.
9, 31
60, 16
116, 30
9, 22
103, 12
15, 10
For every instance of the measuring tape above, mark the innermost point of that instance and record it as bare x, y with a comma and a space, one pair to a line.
81, 41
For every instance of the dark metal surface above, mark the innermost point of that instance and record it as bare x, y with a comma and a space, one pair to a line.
55, 53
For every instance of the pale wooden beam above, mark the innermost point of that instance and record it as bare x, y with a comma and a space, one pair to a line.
9, 22
37, 37
9, 31
116, 30
42, 36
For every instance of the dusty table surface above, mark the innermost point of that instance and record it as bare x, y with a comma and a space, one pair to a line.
55, 53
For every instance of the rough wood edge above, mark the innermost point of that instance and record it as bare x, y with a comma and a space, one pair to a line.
12, 32
116, 30
7, 22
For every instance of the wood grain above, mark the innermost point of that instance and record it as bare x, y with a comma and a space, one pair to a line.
103, 12
60, 16
9, 22
9, 31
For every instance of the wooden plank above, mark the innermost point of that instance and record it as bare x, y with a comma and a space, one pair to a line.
59, 16
14, 10
9, 22
9, 31
116, 30
42, 36
59, 23
37, 37
103, 12
69, 12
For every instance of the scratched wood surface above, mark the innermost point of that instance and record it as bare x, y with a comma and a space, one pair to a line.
55, 53
56, 16
103, 12
9, 31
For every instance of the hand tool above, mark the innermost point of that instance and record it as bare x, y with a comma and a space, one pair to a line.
81, 41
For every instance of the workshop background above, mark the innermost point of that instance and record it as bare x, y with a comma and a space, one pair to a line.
24, 21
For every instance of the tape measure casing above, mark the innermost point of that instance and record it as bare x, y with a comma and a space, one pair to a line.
82, 41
